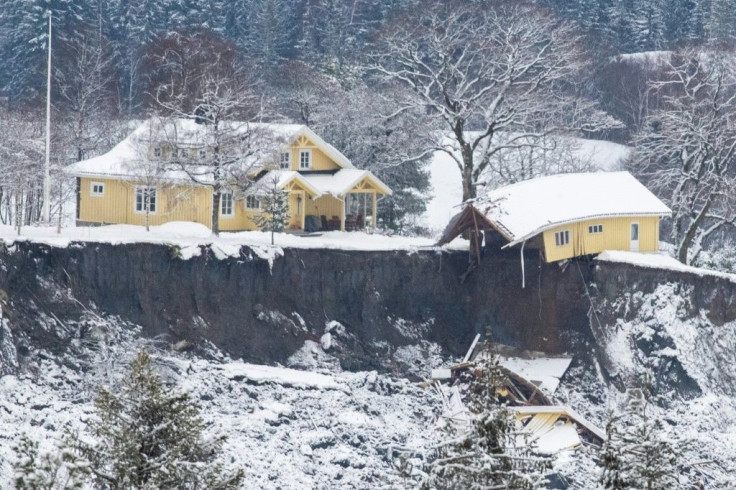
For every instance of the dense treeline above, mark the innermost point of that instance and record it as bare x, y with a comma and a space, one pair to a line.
328, 34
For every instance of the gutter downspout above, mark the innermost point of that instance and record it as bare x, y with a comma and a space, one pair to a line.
523, 278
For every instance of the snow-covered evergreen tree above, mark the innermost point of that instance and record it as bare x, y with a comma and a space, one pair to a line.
638, 452
59, 469
274, 213
149, 435
489, 452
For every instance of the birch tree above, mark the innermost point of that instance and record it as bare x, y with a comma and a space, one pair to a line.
481, 70
200, 79
686, 151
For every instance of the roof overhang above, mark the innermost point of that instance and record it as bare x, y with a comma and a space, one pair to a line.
515, 241
330, 150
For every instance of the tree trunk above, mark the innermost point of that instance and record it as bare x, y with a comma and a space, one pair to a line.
215, 210
469, 191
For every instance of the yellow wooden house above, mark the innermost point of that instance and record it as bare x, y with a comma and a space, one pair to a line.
567, 215
325, 190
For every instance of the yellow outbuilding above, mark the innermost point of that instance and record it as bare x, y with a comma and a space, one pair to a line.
567, 215
143, 180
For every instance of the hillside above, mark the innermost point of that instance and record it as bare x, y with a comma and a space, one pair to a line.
354, 410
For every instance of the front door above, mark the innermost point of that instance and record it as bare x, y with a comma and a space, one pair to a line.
634, 237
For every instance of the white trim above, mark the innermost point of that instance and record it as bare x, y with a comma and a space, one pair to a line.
549, 226
248, 208
231, 214
287, 161
155, 200
634, 244
305, 151
92, 186
562, 238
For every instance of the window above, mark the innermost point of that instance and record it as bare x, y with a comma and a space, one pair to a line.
593, 229
252, 202
183, 153
226, 204
305, 159
562, 238
97, 189
286, 160
203, 155
145, 199
157, 152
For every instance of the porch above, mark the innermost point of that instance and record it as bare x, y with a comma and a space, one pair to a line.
353, 211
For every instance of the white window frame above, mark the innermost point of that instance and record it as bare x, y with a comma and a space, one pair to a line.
140, 190
202, 155
94, 193
562, 238
182, 153
309, 159
595, 229
227, 195
247, 203
285, 163
157, 152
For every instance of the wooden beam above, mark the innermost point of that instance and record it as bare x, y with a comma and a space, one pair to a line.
374, 221
342, 212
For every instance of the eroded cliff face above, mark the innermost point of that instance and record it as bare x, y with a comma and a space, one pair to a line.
648, 322
263, 310
665, 329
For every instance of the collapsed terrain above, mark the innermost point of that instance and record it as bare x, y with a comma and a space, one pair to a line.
365, 327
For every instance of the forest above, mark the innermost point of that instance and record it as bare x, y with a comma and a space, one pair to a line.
373, 78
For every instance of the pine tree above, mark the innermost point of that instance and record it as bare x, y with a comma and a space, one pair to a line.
34, 470
490, 453
274, 213
151, 436
24, 44
722, 20
638, 452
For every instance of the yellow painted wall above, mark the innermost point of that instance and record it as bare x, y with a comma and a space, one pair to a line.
615, 236
176, 203
320, 160
325, 205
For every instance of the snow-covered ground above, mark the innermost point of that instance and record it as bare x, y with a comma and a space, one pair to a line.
659, 261
446, 180
189, 236
287, 428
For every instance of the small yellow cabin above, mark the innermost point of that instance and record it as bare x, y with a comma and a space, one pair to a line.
567, 215
326, 192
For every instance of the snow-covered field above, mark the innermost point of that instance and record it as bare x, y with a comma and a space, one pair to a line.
189, 236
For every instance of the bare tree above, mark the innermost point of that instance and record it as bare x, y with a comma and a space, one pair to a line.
686, 151
21, 159
483, 70
549, 155
84, 84
214, 127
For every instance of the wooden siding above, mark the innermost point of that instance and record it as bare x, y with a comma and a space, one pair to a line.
320, 160
326, 205
615, 236
177, 203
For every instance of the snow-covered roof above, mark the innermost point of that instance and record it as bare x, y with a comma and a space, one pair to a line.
562, 410
284, 178
446, 179
342, 181
129, 157
523, 210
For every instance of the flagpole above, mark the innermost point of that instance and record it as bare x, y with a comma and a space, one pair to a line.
47, 167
